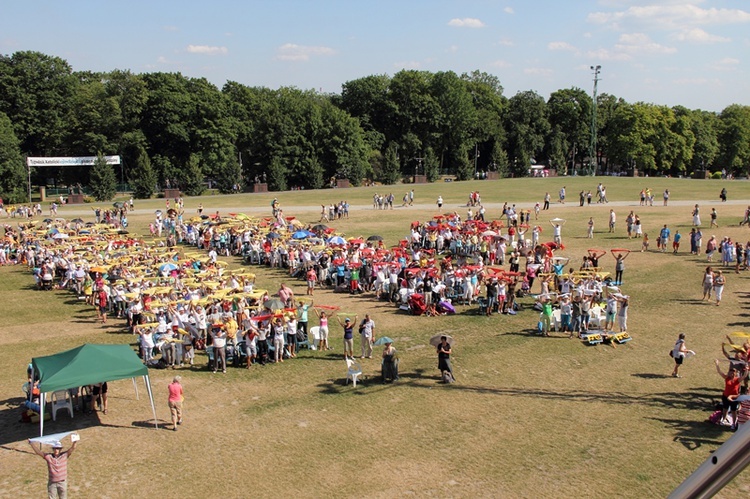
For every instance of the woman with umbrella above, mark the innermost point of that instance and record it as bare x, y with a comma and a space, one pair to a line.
444, 356
390, 360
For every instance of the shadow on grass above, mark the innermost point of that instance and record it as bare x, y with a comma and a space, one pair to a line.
651, 375
694, 434
690, 301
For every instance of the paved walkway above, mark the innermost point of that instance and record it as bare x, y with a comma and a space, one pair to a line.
72, 211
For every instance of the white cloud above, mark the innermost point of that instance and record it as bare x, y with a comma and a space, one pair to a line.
294, 52
506, 42
509, 10
642, 44
170, 28
207, 50
697, 35
538, 71
452, 49
500, 64
561, 46
725, 64
672, 16
466, 22
607, 55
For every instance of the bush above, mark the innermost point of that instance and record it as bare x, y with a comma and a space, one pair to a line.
716, 176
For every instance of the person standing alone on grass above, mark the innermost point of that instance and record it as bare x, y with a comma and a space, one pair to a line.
57, 466
546, 201
678, 354
562, 195
612, 220
714, 217
176, 396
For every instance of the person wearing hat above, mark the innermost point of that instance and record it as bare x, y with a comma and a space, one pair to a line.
348, 326
57, 466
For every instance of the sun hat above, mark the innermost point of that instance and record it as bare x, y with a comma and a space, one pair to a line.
56, 445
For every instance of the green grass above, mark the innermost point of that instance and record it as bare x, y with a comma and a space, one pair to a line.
529, 416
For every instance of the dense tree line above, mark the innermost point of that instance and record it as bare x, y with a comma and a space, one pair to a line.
169, 128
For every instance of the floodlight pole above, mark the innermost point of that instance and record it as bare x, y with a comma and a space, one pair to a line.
592, 147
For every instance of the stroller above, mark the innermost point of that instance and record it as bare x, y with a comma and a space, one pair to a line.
417, 304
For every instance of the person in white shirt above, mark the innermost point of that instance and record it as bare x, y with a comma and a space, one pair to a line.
219, 342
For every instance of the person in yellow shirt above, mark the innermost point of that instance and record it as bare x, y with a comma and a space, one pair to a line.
231, 327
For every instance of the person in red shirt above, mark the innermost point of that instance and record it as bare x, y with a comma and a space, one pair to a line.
732, 381
57, 466
101, 303
176, 396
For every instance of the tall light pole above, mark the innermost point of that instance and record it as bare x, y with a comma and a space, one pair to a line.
592, 148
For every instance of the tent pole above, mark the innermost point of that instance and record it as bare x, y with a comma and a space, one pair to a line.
147, 380
42, 398
135, 386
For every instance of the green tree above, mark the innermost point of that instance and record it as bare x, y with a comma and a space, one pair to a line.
102, 180
455, 125
36, 93
489, 131
632, 138
527, 126
368, 100
734, 138
12, 171
277, 175
95, 122
416, 114
464, 165
431, 165
391, 171
705, 126
143, 177
569, 113
191, 177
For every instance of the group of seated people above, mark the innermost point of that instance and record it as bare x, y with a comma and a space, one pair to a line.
87, 399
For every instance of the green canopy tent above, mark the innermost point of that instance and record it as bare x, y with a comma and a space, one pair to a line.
87, 365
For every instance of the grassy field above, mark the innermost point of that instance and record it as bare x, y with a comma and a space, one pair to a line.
528, 417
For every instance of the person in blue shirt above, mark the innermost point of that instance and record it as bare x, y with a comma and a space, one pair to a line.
676, 242
664, 238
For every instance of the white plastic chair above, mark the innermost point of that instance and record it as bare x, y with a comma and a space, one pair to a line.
596, 316
353, 371
61, 399
556, 319
313, 337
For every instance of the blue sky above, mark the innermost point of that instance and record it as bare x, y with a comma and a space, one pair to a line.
689, 52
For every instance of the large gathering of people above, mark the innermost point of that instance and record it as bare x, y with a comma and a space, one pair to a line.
177, 296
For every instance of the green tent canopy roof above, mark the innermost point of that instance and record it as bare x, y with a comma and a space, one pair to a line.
86, 365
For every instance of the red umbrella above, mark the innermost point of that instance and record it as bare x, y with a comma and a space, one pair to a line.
356, 241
